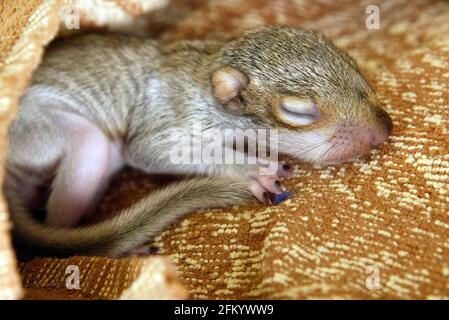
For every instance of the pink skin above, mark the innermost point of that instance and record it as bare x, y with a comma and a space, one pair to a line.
83, 174
354, 139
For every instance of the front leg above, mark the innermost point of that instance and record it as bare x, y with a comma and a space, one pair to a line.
263, 181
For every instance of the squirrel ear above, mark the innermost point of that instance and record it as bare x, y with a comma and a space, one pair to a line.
227, 84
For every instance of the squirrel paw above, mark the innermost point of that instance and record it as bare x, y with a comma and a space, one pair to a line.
266, 187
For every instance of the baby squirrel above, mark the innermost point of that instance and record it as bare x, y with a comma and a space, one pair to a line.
98, 103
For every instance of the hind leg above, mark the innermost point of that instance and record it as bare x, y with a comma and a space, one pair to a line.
51, 146
82, 176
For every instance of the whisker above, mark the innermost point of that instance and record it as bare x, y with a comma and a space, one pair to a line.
332, 151
314, 147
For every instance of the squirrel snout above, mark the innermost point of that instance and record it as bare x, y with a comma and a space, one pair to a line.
358, 138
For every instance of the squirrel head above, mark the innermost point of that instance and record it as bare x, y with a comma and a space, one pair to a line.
298, 82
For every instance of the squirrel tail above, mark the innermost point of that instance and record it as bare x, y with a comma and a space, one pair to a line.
130, 228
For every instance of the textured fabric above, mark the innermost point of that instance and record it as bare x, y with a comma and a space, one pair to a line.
375, 228
25, 26
101, 278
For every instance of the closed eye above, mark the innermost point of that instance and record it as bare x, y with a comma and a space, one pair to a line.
299, 112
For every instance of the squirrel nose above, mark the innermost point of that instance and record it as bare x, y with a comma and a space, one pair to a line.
385, 127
